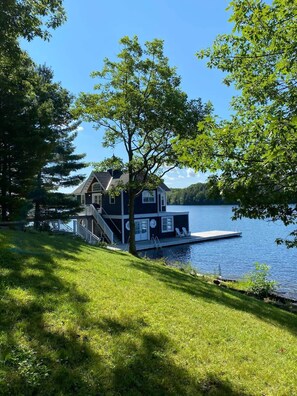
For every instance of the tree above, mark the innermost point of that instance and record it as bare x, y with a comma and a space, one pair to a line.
21, 145
36, 134
141, 106
28, 19
256, 149
60, 160
36, 127
57, 173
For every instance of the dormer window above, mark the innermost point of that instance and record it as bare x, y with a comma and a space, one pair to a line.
148, 196
96, 187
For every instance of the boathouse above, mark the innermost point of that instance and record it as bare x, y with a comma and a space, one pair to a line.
107, 216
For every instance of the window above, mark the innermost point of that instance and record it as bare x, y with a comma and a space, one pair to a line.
148, 196
167, 224
96, 187
97, 199
111, 200
82, 199
163, 199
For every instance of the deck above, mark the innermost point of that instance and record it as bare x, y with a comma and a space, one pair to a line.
196, 237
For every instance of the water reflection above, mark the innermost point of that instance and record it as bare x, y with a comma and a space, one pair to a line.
235, 257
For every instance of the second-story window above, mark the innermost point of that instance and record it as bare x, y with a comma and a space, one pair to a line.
148, 196
96, 187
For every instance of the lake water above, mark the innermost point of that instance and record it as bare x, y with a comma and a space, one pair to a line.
236, 256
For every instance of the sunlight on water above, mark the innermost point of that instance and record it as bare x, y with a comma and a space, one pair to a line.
236, 256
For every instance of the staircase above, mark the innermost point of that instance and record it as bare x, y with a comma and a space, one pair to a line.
87, 235
107, 232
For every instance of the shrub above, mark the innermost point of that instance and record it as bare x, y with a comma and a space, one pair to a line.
258, 282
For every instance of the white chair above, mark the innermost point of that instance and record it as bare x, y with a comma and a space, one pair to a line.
178, 233
185, 232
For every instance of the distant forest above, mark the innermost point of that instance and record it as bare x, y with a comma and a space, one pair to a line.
196, 194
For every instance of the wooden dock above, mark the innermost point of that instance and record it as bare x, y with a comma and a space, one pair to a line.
195, 237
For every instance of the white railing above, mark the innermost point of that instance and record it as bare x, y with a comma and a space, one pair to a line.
84, 233
59, 225
91, 211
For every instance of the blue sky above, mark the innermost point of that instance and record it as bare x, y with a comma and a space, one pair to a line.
93, 30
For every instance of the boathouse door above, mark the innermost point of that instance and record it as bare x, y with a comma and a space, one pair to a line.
141, 230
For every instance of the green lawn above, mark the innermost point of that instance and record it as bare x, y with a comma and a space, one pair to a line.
81, 320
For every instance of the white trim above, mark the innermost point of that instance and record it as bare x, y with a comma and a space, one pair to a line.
149, 194
146, 215
84, 185
111, 179
167, 217
99, 195
122, 216
111, 197
100, 185
147, 229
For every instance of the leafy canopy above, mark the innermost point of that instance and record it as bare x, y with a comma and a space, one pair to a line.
256, 149
29, 18
140, 105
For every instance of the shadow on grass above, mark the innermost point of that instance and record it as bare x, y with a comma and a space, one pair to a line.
149, 370
44, 339
35, 356
213, 294
144, 364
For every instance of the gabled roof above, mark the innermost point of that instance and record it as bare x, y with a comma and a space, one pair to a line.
164, 187
107, 180
103, 178
120, 179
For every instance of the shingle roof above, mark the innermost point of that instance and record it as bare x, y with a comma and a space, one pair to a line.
164, 187
103, 178
119, 179
107, 180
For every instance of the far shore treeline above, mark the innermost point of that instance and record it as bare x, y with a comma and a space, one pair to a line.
196, 194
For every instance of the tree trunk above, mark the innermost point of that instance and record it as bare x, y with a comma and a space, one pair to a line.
4, 205
37, 211
132, 243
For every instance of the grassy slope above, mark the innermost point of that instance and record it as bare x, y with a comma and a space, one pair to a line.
76, 319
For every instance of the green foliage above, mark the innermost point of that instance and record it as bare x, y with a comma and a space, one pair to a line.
255, 151
23, 140
258, 282
28, 19
36, 135
141, 106
196, 194
78, 319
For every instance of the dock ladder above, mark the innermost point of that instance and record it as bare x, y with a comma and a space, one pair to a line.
156, 241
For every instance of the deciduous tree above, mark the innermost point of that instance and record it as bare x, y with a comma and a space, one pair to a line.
256, 149
28, 19
141, 106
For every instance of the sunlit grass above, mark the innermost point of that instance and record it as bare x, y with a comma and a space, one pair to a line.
76, 319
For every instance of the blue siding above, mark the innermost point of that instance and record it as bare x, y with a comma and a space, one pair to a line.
112, 209
179, 221
139, 206
115, 225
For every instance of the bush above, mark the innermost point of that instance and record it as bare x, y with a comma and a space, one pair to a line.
258, 282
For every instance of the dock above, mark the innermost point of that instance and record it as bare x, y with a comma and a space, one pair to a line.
195, 237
